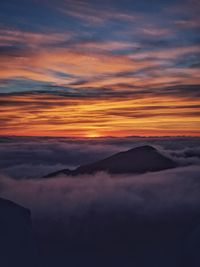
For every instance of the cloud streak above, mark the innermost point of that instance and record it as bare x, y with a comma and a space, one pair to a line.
103, 53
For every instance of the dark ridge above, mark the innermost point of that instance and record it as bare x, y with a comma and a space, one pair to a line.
17, 246
137, 160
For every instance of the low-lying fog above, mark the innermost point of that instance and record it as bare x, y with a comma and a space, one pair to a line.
72, 215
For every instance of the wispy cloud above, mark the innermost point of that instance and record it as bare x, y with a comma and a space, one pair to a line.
100, 57
39, 114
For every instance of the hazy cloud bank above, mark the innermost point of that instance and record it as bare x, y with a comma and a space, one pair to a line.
147, 194
76, 217
31, 157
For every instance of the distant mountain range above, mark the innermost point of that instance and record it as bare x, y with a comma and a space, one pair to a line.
137, 160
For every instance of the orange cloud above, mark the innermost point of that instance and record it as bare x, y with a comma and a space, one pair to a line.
50, 115
42, 65
93, 62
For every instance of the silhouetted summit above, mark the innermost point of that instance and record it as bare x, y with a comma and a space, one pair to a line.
137, 160
17, 247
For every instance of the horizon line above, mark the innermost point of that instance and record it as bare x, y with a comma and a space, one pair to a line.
104, 137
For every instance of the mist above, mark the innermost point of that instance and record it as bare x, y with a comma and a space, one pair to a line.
34, 157
103, 219
145, 193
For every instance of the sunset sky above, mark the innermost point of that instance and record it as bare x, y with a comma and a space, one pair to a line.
99, 68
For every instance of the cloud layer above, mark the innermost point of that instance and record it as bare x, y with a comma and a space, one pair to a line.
113, 218
35, 157
104, 219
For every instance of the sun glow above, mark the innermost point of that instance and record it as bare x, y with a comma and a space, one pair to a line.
93, 135
64, 116
62, 82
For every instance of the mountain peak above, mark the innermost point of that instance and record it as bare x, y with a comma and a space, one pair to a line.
136, 160
144, 148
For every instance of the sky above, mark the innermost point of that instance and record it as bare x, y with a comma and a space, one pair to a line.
99, 68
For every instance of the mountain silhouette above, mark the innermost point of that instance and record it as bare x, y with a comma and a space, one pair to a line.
137, 160
17, 246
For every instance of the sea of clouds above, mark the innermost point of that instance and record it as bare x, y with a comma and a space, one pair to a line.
32, 157
69, 213
76, 217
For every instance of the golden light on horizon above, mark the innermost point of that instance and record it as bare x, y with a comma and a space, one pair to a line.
37, 115
102, 72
